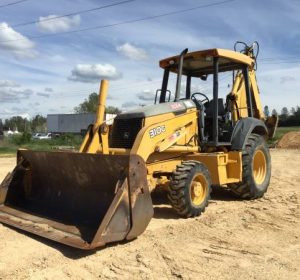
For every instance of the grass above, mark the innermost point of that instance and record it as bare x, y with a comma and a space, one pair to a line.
283, 130
10, 145
280, 131
7, 151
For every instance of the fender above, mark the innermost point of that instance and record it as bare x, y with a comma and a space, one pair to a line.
243, 128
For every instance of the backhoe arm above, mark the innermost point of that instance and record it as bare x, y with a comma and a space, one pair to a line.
239, 105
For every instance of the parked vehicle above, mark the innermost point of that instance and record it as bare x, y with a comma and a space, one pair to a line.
42, 136
183, 146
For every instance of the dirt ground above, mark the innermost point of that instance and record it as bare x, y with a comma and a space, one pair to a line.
233, 239
290, 140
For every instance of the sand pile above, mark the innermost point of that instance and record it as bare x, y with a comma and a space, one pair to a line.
290, 140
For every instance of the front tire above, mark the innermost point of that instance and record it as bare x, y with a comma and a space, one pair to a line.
256, 170
189, 189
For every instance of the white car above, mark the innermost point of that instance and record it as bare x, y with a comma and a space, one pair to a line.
42, 136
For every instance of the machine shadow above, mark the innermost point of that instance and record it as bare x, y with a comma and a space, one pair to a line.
222, 194
67, 251
162, 210
161, 206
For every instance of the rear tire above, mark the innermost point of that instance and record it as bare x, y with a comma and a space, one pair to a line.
256, 169
189, 189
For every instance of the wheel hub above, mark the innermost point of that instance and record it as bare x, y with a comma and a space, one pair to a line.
198, 190
259, 167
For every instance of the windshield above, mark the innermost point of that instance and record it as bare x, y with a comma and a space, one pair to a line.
198, 85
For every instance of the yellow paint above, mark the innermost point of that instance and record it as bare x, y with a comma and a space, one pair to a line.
199, 189
229, 55
101, 104
166, 140
239, 94
258, 109
95, 141
144, 145
259, 167
171, 140
224, 168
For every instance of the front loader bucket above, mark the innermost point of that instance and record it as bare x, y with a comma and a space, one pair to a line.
82, 200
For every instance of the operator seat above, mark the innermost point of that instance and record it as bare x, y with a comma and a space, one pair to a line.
209, 108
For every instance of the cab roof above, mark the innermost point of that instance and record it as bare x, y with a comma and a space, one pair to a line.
199, 63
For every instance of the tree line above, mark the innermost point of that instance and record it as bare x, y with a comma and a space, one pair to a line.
39, 123
286, 117
35, 124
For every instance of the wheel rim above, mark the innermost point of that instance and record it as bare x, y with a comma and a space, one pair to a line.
198, 190
259, 167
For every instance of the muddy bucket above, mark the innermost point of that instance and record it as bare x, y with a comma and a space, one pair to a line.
82, 200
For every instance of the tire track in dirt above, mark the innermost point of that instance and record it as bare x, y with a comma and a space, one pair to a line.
233, 239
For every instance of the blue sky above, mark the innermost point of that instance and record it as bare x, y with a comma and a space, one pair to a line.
44, 71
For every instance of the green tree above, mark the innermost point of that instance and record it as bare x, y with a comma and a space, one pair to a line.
297, 113
289, 119
17, 122
90, 105
284, 113
39, 124
1, 129
274, 112
293, 111
112, 110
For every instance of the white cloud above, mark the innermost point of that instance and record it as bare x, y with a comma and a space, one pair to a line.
93, 73
8, 83
132, 52
286, 79
129, 105
146, 95
273, 88
48, 89
57, 58
14, 42
11, 95
35, 104
47, 95
25, 115
6, 111
15, 111
51, 24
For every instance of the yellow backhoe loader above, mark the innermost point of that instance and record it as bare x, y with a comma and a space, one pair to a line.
183, 144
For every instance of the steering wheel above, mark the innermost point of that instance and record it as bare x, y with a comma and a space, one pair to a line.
199, 102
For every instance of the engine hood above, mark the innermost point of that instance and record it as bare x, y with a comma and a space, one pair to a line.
176, 108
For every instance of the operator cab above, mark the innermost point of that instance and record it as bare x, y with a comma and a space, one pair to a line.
205, 67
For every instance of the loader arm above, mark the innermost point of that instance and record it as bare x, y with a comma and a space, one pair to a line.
163, 135
96, 138
90, 199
